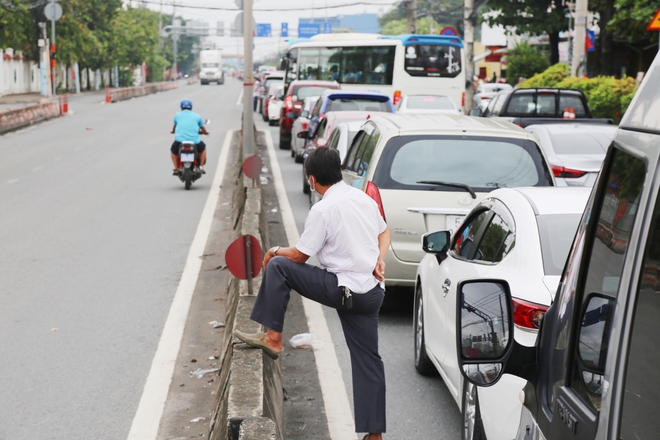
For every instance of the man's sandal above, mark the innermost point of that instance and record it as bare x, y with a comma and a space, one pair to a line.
256, 340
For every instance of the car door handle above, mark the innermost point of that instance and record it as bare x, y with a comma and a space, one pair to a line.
445, 286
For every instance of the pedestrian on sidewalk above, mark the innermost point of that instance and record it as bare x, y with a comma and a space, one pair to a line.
350, 240
255, 94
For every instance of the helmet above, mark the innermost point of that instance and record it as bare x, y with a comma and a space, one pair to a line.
186, 104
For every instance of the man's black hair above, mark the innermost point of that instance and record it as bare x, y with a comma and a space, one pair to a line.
324, 165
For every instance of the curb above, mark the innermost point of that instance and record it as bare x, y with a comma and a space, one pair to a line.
116, 95
15, 119
250, 394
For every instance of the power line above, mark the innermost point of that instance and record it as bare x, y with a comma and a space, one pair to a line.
299, 8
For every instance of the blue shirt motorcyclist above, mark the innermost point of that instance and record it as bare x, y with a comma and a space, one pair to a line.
187, 126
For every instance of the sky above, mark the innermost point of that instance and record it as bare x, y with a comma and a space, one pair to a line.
288, 11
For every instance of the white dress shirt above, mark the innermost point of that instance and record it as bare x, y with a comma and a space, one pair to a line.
342, 230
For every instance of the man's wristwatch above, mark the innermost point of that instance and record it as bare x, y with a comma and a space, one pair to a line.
275, 249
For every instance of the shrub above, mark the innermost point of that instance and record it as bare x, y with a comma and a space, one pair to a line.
524, 61
607, 96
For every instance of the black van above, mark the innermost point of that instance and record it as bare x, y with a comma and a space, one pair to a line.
595, 371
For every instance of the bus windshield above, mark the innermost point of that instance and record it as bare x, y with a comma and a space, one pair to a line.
433, 60
346, 65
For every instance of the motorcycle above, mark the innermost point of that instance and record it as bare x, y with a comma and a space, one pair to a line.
188, 166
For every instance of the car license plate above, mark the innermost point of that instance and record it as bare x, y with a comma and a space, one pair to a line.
452, 222
187, 157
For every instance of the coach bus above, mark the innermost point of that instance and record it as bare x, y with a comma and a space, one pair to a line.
392, 65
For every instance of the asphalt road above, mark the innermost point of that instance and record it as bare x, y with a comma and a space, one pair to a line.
95, 233
417, 407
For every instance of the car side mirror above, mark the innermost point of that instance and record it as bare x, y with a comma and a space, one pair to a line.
436, 242
294, 97
485, 329
302, 135
304, 113
476, 112
596, 320
290, 115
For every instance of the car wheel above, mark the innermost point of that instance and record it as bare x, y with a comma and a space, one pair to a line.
272, 122
298, 157
423, 364
265, 118
293, 153
473, 429
284, 144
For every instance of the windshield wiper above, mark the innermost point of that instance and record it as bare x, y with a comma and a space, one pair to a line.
455, 185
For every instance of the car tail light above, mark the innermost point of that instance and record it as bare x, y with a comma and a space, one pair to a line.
288, 103
485, 98
463, 99
527, 314
567, 172
373, 192
304, 125
397, 97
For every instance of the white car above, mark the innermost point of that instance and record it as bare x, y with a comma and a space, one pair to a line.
486, 91
427, 104
521, 235
575, 151
275, 103
300, 124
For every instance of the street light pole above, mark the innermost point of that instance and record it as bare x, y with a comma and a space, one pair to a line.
54, 54
248, 80
579, 35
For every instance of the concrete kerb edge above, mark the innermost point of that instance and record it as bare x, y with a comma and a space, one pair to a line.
250, 395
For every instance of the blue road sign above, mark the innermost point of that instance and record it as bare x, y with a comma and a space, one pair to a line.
327, 27
264, 30
307, 30
284, 30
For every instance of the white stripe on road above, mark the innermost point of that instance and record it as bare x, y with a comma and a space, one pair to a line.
147, 419
240, 98
335, 398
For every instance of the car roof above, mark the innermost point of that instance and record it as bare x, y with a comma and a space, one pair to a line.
313, 83
339, 94
413, 123
572, 127
350, 125
349, 115
549, 199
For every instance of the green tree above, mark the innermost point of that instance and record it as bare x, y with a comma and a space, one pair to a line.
531, 17
629, 24
424, 26
442, 12
185, 58
524, 61
17, 26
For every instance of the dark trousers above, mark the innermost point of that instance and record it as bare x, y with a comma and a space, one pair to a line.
360, 325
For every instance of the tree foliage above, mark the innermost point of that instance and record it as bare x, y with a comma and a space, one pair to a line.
424, 26
442, 12
630, 20
97, 34
524, 61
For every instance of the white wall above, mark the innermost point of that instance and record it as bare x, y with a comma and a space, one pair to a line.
17, 75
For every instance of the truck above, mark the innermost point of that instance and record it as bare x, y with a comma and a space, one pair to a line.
525, 107
592, 373
211, 67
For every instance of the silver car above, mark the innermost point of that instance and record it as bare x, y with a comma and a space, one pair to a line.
299, 125
426, 172
575, 151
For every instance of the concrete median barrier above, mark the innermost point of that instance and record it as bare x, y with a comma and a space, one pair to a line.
115, 95
250, 394
15, 119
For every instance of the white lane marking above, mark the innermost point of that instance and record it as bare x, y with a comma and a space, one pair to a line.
37, 169
240, 98
335, 398
149, 412
10, 181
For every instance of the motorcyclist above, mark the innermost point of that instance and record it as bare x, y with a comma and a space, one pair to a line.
187, 126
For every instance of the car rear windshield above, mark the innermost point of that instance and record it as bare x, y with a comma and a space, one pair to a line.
544, 105
556, 232
307, 91
433, 60
357, 104
430, 103
581, 143
483, 163
210, 65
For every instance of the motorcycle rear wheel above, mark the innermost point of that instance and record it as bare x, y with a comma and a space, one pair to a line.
187, 177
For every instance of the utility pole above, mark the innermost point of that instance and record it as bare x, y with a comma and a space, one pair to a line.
176, 25
248, 80
468, 40
411, 16
579, 35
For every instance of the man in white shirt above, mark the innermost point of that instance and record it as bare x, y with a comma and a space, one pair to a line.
350, 240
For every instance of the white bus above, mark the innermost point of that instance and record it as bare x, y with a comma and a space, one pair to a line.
395, 66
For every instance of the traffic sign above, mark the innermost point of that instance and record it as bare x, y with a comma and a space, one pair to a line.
264, 30
307, 30
252, 166
284, 30
53, 11
449, 31
654, 25
243, 257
